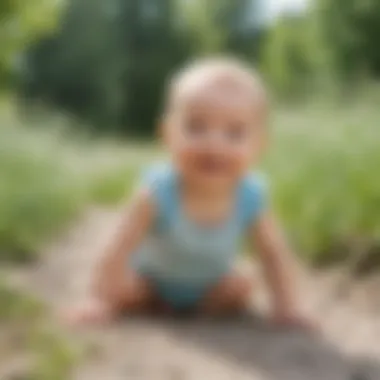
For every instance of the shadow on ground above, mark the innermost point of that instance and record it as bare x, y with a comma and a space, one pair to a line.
278, 355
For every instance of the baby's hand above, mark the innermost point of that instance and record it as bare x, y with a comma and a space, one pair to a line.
295, 320
113, 283
92, 311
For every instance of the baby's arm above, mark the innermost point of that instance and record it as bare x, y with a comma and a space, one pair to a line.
112, 284
110, 277
280, 268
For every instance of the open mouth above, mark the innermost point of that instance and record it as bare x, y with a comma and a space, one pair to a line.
211, 165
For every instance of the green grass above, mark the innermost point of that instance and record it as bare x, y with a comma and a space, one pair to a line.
48, 178
26, 334
323, 166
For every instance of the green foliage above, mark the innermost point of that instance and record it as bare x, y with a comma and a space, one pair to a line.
15, 306
37, 195
111, 187
295, 60
110, 60
56, 356
206, 36
325, 186
22, 22
151, 37
351, 29
333, 44
24, 317
48, 179
224, 26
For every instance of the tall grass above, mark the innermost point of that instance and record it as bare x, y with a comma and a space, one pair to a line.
49, 177
323, 165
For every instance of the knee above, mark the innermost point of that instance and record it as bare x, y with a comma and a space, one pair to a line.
239, 294
132, 291
105, 287
232, 294
238, 288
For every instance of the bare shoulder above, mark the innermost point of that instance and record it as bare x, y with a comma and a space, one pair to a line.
266, 226
140, 204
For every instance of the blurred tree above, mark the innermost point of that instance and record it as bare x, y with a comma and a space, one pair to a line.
69, 69
110, 60
335, 42
21, 22
352, 31
225, 26
295, 59
154, 46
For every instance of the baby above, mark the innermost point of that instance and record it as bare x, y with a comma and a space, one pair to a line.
179, 239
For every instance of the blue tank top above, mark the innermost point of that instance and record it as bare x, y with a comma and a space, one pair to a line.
178, 249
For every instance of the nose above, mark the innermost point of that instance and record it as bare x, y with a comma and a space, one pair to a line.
216, 141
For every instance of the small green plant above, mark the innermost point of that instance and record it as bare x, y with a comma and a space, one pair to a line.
27, 334
17, 307
55, 356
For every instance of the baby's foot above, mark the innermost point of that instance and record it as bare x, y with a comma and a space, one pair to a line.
91, 312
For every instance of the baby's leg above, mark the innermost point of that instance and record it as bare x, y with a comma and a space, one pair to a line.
231, 295
106, 304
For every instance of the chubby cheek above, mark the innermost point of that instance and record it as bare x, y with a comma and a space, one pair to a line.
251, 153
240, 161
185, 155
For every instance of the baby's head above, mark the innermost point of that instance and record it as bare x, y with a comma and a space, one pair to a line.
215, 120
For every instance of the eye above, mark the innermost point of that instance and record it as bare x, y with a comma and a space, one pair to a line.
236, 132
196, 127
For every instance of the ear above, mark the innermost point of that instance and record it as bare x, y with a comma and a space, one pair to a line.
265, 137
263, 141
162, 131
265, 130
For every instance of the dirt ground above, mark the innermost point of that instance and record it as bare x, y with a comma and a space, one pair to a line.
246, 348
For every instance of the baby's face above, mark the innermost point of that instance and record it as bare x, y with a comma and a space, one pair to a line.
215, 134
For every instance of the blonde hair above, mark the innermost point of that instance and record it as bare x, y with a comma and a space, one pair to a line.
221, 70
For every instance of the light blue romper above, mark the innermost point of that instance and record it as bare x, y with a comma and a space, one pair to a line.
183, 259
